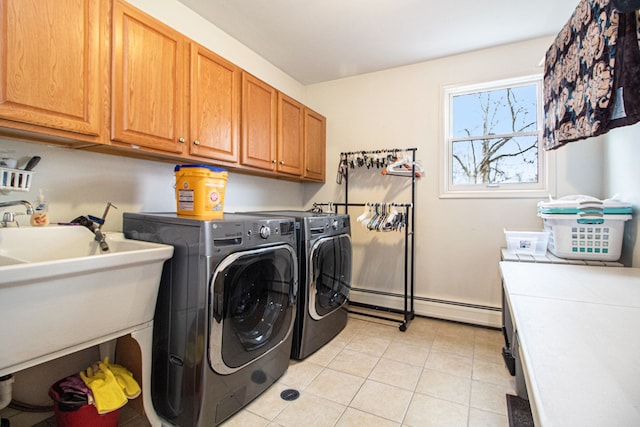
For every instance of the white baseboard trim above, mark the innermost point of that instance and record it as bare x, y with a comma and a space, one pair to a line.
476, 315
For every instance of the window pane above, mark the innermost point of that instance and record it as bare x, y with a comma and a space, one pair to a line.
495, 112
508, 160
491, 141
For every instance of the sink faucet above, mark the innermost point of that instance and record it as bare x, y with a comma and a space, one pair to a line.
100, 238
10, 216
95, 225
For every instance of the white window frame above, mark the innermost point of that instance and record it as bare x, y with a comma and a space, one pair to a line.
546, 160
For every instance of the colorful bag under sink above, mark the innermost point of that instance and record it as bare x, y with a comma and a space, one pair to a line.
584, 227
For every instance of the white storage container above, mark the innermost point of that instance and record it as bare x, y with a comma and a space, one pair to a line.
583, 227
527, 242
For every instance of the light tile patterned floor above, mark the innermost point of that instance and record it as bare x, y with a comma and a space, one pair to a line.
437, 373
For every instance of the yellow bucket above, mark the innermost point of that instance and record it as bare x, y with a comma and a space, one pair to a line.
200, 190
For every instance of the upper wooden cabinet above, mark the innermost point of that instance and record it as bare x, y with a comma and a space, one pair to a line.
315, 131
171, 93
259, 110
215, 106
275, 131
148, 102
54, 67
104, 76
290, 135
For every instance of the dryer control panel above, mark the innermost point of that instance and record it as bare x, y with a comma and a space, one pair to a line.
271, 230
328, 225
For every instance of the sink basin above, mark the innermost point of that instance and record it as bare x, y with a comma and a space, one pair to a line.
60, 293
39, 244
6, 260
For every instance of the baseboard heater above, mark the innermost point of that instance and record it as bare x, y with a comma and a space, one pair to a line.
377, 304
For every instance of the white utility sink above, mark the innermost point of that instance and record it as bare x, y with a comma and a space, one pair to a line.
59, 293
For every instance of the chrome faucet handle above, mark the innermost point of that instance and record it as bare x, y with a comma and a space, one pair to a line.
8, 217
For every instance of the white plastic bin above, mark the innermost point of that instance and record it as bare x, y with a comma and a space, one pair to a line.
527, 242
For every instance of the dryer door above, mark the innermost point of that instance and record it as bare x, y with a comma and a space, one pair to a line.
330, 275
252, 304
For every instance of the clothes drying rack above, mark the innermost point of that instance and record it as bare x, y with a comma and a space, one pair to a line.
407, 313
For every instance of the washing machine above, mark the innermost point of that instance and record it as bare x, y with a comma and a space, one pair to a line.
325, 262
224, 318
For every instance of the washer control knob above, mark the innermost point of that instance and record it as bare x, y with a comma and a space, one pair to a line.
265, 232
334, 224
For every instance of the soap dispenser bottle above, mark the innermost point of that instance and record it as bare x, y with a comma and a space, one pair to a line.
40, 215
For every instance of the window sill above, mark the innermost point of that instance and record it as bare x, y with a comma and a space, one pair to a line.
500, 194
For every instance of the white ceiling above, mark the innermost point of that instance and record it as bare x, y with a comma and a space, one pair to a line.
321, 40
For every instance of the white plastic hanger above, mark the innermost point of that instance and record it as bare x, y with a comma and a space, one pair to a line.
365, 213
403, 167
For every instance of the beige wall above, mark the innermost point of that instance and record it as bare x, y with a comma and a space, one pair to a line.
622, 176
458, 240
81, 183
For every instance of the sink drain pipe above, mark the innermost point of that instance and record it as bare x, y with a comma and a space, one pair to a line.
6, 387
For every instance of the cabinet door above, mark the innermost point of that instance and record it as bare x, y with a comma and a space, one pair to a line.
315, 128
148, 101
259, 108
215, 106
290, 135
54, 64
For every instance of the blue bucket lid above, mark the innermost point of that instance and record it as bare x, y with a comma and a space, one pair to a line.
211, 168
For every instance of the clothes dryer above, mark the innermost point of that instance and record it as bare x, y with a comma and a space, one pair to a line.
325, 262
225, 312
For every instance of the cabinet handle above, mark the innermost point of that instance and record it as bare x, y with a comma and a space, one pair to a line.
196, 142
181, 140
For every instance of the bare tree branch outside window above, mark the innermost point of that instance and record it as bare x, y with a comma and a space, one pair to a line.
495, 136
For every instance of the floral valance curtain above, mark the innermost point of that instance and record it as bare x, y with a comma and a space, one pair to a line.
592, 74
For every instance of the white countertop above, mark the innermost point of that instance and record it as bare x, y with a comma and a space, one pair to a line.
579, 347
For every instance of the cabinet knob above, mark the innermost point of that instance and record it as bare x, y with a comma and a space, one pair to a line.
282, 162
181, 140
196, 142
273, 161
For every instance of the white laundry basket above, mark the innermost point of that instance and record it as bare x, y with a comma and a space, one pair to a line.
583, 227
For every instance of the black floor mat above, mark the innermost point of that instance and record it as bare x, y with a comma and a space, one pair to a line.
519, 412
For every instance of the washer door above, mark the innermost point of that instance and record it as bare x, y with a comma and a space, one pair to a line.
252, 305
330, 275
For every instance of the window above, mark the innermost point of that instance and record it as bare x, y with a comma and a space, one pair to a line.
492, 140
